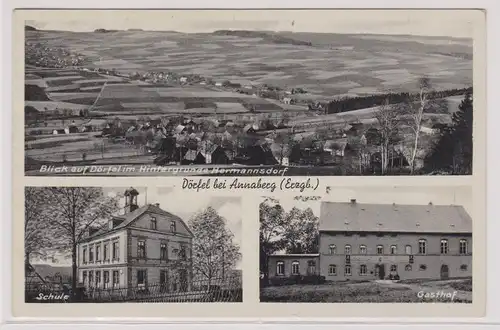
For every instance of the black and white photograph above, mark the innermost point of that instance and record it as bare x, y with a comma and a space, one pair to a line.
248, 93
92, 244
368, 245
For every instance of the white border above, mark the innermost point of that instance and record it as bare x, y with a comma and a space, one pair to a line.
493, 117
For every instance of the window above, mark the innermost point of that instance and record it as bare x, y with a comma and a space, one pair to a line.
163, 251
91, 278
332, 270
295, 268
91, 254
106, 252
97, 278
84, 255
362, 249
347, 270
106, 278
84, 277
332, 248
280, 268
444, 246
152, 224
380, 249
141, 277
422, 246
116, 279
141, 249
408, 249
394, 249
408, 268
97, 253
116, 251
362, 270
311, 267
463, 246
394, 268
362, 235
463, 268
347, 249
173, 227
423, 267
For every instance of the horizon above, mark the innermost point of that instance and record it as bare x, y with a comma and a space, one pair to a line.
418, 23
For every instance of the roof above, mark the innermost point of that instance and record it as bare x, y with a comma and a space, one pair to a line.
128, 218
179, 128
394, 218
191, 154
338, 144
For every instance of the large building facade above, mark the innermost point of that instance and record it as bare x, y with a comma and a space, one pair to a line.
373, 241
144, 246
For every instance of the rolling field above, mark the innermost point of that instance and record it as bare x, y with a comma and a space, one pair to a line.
333, 65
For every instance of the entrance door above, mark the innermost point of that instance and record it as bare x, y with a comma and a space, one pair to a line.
380, 271
183, 280
311, 267
445, 272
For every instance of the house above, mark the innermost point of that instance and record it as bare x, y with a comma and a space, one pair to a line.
287, 100
218, 84
180, 129
250, 128
336, 147
216, 154
71, 129
256, 155
143, 246
193, 157
378, 241
59, 131
183, 80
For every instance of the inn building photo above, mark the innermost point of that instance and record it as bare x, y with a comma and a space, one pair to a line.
120, 247
363, 251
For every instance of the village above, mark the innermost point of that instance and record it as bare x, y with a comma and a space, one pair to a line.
268, 126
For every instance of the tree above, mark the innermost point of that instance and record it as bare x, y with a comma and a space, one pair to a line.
453, 151
214, 252
284, 144
272, 227
36, 237
301, 231
414, 111
70, 213
388, 118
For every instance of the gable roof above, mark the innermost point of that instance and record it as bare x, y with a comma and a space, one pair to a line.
129, 218
394, 218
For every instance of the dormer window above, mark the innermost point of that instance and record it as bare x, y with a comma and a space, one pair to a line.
153, 223
110, 224
173, 228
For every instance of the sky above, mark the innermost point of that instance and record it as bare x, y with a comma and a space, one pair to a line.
452, 23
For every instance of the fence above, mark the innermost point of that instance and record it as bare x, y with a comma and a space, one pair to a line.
215, 290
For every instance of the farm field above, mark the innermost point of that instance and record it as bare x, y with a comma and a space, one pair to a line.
373, 291
334, 65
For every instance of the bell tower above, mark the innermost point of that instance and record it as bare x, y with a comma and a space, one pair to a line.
131, 199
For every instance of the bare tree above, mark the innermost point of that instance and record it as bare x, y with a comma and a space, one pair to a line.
388, 119
414, 111
214, 251
36, 237
71, 212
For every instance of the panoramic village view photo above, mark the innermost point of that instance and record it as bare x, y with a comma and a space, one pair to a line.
365, 244
87, 244
240, 94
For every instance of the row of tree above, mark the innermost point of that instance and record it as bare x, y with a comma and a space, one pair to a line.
362, 102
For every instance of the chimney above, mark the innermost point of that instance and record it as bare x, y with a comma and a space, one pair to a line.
353, 201
131, 200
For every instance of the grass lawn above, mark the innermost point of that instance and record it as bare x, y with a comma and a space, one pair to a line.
346, 292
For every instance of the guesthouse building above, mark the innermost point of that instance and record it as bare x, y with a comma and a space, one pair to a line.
385, 241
